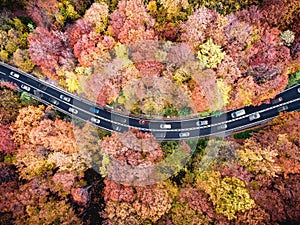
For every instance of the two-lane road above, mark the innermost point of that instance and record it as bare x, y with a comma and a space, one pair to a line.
103, 117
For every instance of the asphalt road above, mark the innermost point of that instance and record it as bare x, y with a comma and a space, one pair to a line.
111, 120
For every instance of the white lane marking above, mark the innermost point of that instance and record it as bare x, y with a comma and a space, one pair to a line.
145, 129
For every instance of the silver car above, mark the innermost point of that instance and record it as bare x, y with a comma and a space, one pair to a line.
53, 101
184, 134
298, 90
254, 116
65, 98
95, 120
25, 87
72, 110
117, 128
119, 119
202, 122
238, 113
165, 126
222, 126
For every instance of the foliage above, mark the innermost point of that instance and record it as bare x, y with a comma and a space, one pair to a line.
257, 159
55, 13
217, 153
92, 46
194, 29
182, 213
225, 6
154, 95
13, 38
131, 22
48, 49
7, 145
210, 54
10, 104
287, 37
55, 135
142, 204
229, 194
28, 118
294, 79
97, 15
22, 60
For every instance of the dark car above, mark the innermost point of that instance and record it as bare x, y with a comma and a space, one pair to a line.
276, 100
282, 108
143, 122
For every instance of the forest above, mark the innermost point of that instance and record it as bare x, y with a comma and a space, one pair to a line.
170, 58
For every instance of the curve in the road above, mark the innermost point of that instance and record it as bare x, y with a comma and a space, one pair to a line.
110, 120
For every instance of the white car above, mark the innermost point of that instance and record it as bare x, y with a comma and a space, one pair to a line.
222, 126
202, 122
23, 86
72, 110
298, 90
65, 98
184, 134
95, 120
165, 126
254, 116
16, 75
238, 113
53, 101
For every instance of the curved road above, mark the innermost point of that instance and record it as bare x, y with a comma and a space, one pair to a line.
288, 100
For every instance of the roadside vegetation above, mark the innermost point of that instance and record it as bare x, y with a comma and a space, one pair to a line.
158, 57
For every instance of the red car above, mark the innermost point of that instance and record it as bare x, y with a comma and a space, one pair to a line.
143, 122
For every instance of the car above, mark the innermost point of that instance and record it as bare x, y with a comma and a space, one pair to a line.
143, 122
95, 120
222, 126
72, 110
276, 100
159, 134
165, 126
25, 87
238, 113
119, 119
38, 93
65, 98
202, 122
94, 110
42, 87
282, 108
53, 101
117, 128
298, 90
16, 75
184, 134
254, 116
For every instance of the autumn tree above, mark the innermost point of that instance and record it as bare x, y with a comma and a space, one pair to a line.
7, 145
28, 118
97, 15
131, 22
145, 203
10, 104
48, 49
